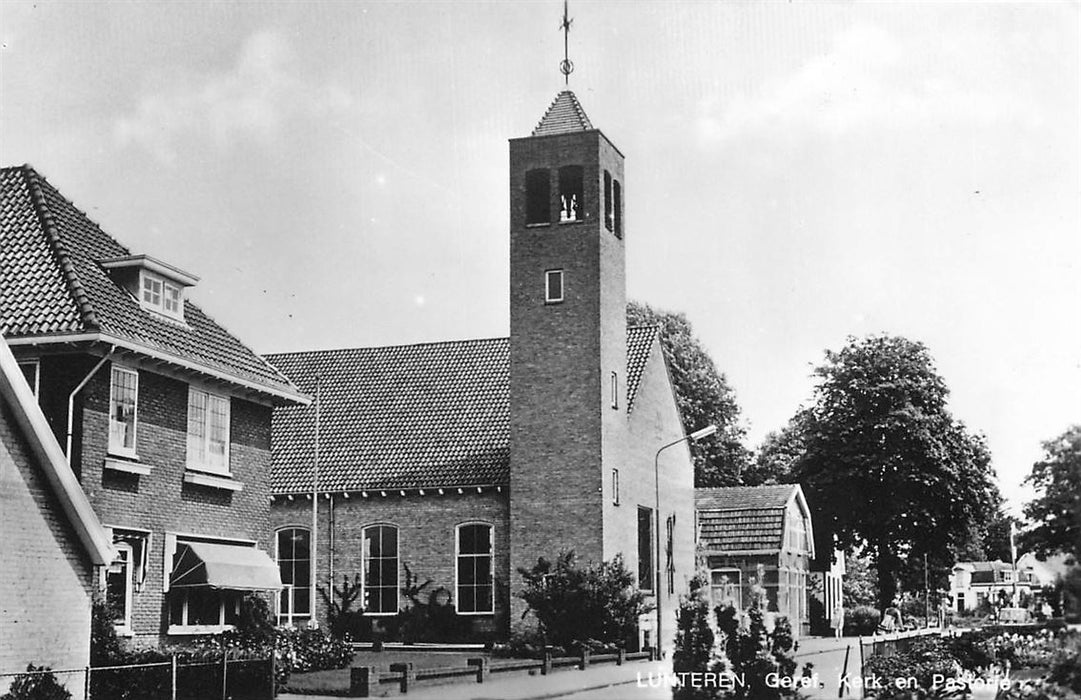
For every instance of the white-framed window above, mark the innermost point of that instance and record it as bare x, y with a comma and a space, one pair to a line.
615, 389
208, 431
615, 487
553, 286
294, 559
158, 294
119, 589
123, 407
379, 593
31, 370
203, 610
474, 582
725, 587
197, 610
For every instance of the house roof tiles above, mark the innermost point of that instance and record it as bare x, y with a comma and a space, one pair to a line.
53, 285
743, 518
425, 416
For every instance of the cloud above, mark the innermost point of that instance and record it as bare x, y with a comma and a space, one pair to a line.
871, 79
255, 99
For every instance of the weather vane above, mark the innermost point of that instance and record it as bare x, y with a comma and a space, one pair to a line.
566, 67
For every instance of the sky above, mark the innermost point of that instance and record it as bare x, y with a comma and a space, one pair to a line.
797, 173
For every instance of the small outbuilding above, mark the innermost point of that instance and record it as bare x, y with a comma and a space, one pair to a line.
758, 535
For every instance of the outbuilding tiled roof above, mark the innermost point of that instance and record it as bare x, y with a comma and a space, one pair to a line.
52, 286
743, 518
564, 116
433, 415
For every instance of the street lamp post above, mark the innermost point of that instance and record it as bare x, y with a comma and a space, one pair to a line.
693, 437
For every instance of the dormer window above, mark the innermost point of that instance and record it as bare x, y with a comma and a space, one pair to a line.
160, 295
157, 286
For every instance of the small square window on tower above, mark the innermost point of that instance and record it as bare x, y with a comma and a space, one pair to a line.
538, 204
570, 194
553, 286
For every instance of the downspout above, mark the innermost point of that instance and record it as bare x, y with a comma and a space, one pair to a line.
330, 546
71, 399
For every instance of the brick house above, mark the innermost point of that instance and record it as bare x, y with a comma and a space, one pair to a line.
52, 542
760, 535
164, 416
466, 460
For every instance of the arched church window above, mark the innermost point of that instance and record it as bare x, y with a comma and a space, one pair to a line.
474, 580
295, 569
570, 194
537, 197
380, 566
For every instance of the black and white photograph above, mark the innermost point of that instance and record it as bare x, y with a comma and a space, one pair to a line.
517, 350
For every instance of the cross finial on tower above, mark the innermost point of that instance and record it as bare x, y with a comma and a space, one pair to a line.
566, 67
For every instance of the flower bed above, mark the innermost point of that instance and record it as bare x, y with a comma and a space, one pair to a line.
1034, 666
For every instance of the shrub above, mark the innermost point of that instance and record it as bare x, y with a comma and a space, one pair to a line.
697, 647
862, 620
38, 683
924, 658
313, 650
573, 604
755, 652
341, 616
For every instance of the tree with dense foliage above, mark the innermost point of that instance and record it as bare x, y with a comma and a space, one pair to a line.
574, 605
885, 465
1056, 509
860, 584
776, 457
702, 395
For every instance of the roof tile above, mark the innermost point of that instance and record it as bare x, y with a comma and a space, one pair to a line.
565, 115
51, 283
433, 415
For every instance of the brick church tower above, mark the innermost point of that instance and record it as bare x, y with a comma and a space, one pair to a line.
568, 336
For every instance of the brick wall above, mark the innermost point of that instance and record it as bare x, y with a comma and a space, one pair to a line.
161, 501
561, 355
46, 576
426, 531
654, 422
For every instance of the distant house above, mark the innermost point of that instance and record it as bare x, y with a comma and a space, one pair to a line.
164, 416
975, 584
758, 535
50, 545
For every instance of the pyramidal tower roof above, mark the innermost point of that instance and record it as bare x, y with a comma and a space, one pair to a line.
563, 117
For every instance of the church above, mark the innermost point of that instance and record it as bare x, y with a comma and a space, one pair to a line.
457, 463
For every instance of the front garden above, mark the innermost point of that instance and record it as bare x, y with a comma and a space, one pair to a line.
1045, 665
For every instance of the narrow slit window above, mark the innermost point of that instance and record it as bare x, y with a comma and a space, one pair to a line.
615, 487
615, 390
537, 197
645, 548
570, 194
608, 221
617, 208
553, 286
